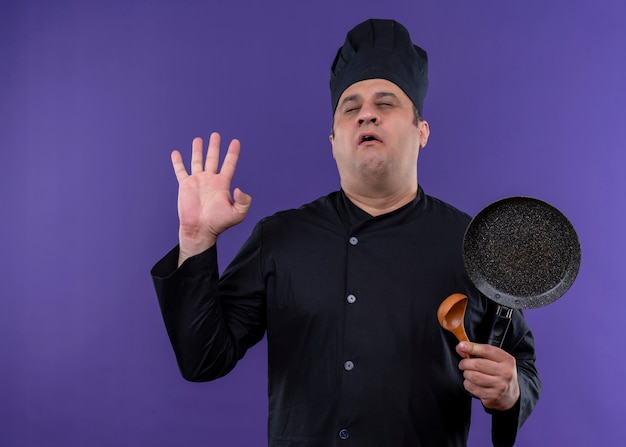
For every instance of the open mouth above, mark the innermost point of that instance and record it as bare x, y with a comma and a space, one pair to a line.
369, 137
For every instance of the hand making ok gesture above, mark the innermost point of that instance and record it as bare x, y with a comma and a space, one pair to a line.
205, 205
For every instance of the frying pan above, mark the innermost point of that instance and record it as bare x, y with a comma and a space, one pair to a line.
522, 253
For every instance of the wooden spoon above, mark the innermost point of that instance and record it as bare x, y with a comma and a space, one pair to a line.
451, 314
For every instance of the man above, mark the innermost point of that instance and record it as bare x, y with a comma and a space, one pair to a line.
347, 287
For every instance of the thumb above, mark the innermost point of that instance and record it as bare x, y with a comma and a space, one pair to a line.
242, 201
465, 349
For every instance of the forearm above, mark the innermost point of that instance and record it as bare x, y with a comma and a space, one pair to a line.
189, 300
505, 425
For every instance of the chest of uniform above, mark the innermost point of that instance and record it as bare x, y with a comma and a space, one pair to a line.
372, 275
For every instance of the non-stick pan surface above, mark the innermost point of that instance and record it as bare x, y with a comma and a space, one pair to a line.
521, 252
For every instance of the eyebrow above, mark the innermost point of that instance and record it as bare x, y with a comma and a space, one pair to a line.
377, 95
380, 95
349, 98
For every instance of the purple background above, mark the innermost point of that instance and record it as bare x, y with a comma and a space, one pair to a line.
526, 98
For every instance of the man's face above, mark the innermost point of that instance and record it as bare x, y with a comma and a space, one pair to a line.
375, 139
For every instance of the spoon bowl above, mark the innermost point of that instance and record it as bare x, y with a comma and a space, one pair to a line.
451, 314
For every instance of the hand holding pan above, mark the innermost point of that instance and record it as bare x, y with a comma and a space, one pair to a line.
521, 253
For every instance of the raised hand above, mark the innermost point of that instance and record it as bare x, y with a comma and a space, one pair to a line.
206, 207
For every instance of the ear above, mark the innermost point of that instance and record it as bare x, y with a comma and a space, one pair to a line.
424, 131
332, 144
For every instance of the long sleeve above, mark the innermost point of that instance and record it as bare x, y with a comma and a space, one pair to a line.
208, 333
505, 425
519, 342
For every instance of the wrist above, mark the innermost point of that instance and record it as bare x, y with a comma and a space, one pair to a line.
192, 246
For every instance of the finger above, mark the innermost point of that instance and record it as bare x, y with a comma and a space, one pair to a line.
481, 378
242, 201
481, 365
480, 392
213, 153
476, 390
480, 350
493, 393
196, 156
179, 166
230, 161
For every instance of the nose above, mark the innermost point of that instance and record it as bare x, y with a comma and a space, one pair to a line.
368, 114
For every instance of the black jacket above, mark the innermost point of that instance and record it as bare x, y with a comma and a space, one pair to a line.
349, 304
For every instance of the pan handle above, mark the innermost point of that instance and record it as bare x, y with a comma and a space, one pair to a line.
500, 326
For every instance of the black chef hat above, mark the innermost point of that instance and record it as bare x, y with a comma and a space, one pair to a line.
380, 49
